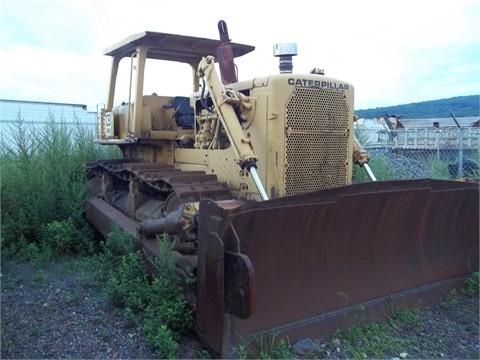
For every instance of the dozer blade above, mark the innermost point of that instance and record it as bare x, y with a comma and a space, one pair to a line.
302, 266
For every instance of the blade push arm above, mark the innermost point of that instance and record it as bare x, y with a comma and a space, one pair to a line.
224, 100
360, 157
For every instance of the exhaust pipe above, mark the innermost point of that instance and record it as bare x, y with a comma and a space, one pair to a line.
225, 55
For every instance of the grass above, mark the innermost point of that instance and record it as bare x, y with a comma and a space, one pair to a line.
153, 301
43, 190
381, 340
265, 347
439, 169
372, 340
379, 165
471, 287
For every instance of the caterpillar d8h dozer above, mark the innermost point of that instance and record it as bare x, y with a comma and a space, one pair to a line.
252, 181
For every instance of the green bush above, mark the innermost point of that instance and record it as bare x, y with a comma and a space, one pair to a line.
153, 300
162, 338
128, 283
43, 190
63, 238
117, 245
29, 252
380, 166
265, 347
438, 169
471, 287
43, 185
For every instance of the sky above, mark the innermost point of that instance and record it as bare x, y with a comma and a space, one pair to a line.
392, 52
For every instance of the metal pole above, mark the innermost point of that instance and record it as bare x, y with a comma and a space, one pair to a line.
369, 172
460, 147
258, 182
460, 153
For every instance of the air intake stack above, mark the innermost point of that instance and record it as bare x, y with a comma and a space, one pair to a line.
285, 52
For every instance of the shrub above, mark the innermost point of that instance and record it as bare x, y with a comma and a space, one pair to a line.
43, 185
439, 169
265, 347
153, 300
127, 285
471, 287
117, 245
63, 238
380, 166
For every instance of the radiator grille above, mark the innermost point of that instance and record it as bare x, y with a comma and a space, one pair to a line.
317, 136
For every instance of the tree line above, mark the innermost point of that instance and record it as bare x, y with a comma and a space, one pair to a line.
460, 106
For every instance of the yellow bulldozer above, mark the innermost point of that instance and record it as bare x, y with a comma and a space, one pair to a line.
252, 182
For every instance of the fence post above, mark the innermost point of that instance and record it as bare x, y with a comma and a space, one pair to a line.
460, 153
438, 144
460, 147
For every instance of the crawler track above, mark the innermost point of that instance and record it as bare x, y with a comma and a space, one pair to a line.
163, 179
158, 193
134, 193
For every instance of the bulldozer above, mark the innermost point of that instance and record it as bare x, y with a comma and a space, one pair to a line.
252, 182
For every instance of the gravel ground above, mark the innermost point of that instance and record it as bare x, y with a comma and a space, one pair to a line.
53, 311
444, 331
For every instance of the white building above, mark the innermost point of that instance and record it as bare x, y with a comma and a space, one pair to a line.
40, 112
35, 114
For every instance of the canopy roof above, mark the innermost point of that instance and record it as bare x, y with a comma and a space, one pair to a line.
187, 49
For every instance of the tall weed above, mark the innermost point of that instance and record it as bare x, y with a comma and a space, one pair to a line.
438, 169
472, 285
43, 184
380, 166
265, 347
155, 300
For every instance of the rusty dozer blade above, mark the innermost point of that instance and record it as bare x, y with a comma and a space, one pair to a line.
302, 266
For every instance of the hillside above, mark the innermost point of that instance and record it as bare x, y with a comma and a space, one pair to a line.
461, 106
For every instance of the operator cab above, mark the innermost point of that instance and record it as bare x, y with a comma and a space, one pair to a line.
158, 117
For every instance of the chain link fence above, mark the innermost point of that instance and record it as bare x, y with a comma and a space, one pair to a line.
445, 153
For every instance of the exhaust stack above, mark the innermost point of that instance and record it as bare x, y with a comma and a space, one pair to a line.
225, 55
285, 52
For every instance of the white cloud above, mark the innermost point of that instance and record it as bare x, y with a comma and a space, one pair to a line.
46, 75
391, 51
